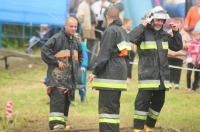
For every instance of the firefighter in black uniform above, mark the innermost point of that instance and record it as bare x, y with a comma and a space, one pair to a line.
63, 55
153, 79
110, 72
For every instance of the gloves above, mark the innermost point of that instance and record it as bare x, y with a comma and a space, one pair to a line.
124, 53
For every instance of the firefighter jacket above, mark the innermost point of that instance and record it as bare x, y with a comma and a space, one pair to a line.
110, 68
61, 47
153, 69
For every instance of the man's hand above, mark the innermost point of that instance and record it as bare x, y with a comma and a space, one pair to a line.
91, 77
145, 22
173, 26
61, 65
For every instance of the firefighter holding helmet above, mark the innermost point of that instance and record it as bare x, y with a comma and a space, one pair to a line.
153, 70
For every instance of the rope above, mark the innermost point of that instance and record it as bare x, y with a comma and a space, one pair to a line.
172, 66
20, 79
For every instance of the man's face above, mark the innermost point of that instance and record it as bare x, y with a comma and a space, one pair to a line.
71, 27
157, 24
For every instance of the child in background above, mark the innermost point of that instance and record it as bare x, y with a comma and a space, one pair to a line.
193, 60
127, 24
82, 79
177, 58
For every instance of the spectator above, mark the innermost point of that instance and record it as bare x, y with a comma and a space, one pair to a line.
73, 6
192, 17
82, 79
98, 8
127, 23
63, 54
40, 38
193, 60
177, 58
84, 16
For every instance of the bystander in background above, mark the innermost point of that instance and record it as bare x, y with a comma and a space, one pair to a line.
192, 17
176, 58
193, 59
85, 16
98, 8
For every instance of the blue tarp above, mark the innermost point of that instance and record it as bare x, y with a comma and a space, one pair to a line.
52, 12
136, 9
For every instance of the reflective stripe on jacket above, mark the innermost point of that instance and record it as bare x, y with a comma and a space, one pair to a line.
107, 84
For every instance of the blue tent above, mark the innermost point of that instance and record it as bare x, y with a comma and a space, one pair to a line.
136, 9
51, 12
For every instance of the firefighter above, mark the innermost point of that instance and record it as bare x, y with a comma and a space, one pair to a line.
110, 72
153, 79
63, 54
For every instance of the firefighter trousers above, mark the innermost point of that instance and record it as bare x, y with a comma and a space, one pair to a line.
148, 105
59, 107
109, 109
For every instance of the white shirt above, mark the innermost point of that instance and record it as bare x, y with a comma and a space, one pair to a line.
98, 11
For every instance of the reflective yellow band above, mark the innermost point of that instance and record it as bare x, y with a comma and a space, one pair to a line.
148, 45
140, 117
152, 83
148, 85
106, 120
166, 85
165, 45
124, 45
152, 116
109, 83
53, 118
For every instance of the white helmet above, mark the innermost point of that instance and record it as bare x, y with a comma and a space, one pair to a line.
158, 13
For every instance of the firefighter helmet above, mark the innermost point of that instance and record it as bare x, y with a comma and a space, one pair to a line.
158, 13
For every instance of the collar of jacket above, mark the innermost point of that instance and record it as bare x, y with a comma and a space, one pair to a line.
67, 35
117, 22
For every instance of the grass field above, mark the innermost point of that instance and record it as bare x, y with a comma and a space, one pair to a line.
181, 112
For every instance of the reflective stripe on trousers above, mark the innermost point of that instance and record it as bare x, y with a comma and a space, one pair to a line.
109, 105
146, 84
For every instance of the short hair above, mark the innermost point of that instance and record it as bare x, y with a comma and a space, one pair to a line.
177, 19
126, 20
195, 33
71, 18
113, 13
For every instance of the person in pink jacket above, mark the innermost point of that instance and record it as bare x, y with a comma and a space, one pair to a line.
193, 60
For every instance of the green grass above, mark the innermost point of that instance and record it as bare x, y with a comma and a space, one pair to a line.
30, 104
